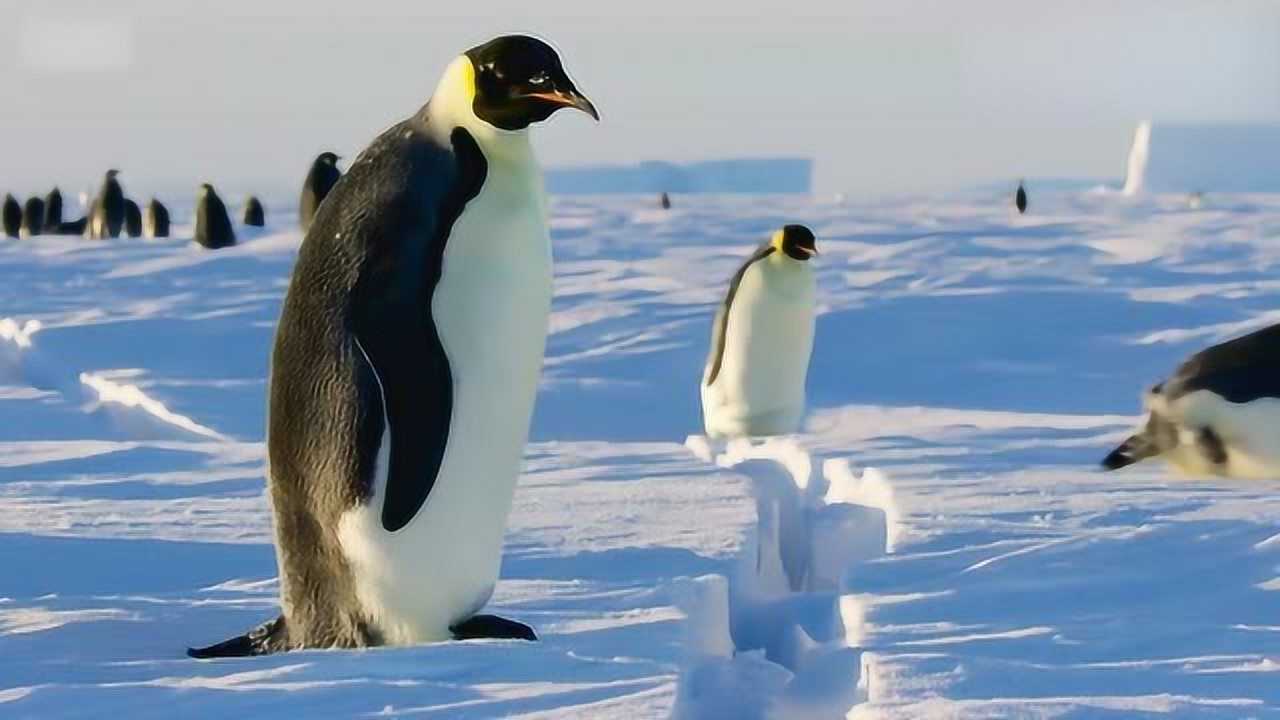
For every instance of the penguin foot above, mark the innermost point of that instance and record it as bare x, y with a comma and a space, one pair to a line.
261, 640
491, 626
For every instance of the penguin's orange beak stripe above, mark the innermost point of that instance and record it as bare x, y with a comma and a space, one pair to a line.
569, 100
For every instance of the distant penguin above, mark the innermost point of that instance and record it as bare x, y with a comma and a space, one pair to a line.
754, 379
132, 219
666, 201
1195, 200
12, 216
32, 218
155, 221
321, 178
213, 225
1218, 415
405, 367
1020, 199
73, 227
53, 211
106, 217
254, 215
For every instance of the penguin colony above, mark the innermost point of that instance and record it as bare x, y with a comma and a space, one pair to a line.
112, 214
396, 431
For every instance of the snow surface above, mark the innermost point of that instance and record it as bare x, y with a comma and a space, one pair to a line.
937, 543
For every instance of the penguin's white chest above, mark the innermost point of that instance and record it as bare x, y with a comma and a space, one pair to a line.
1250, 433
490, 308
768, 339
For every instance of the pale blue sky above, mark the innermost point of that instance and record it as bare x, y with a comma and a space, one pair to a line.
888, 96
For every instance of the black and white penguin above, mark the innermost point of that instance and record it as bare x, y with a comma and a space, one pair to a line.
132, 219
321, 178
53, 211
754, 379
665, 201
32, 218
1020, 199
155, 220
12, 216
106, 216
1218, 415
396, 428
254, 215
213, 225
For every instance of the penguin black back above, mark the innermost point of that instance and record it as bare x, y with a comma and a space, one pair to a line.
53, 211
155, 222
12, 216
32, 217
1020, 199
132, 219
324, 174
254, 215
666, 201
213, 225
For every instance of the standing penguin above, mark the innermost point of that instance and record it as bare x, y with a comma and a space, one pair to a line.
106, 216
32, 218
53, 211
405, 367
1218, 415
213, 225
665, 201
753, 383
12, 216
132, 219
155, 221
1020, 199
254, 215
321, 178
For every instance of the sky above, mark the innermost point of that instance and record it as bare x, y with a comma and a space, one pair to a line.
888, 97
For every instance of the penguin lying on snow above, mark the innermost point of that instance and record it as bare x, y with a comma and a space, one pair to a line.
753, 383
405, 367
1218, 415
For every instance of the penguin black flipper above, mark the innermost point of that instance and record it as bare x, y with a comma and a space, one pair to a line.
722, 315
1239, 370
426, 185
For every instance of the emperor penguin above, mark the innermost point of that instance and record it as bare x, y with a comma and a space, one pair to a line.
155, 220
253, 214
753, 383
321, 178
1020, 198
53, 211
132, 219
12, 216
106, 216
405, 367
32, 218
213, 225
1218, 415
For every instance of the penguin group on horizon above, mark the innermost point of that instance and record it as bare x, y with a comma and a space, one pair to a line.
112, 215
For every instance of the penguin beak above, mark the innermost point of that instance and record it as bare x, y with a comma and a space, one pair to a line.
810, 251
568, 99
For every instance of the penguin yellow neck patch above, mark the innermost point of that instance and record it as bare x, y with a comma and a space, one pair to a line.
776, 241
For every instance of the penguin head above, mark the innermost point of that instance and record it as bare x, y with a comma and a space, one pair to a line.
518, 81
112, 173
327, 158
795, 241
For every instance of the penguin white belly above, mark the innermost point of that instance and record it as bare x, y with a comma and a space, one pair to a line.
491, 309
1250, 433
768, 339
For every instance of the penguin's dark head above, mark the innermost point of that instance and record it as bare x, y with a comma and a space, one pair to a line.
518, 81
795, 241
327, 158
112, 173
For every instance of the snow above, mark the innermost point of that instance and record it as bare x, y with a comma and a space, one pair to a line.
938, 542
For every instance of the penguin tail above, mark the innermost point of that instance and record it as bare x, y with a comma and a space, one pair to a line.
265, 639
1135, 449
